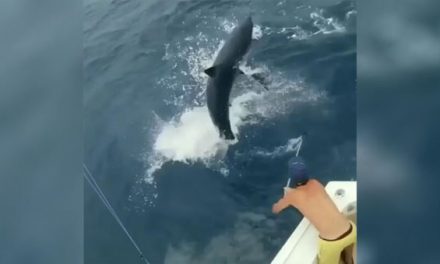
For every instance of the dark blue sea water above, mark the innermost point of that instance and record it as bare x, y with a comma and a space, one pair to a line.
184, 194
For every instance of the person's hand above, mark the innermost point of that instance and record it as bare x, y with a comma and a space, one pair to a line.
284, 202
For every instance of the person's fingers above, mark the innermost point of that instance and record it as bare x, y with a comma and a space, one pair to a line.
280, 205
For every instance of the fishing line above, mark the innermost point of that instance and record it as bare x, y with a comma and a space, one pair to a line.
299, 145
91, 180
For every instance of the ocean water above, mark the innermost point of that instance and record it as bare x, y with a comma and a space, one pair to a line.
186, 195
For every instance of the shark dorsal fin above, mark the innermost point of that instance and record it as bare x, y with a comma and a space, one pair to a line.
210, 71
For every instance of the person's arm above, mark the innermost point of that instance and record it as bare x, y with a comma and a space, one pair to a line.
288, 199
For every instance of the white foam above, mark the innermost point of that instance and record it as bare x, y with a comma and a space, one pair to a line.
249, 70
257, 32
192, 137
166, 56
350, 14
292, 145
228, 25
298, 33
326, 25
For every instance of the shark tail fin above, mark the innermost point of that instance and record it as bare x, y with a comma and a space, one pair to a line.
228, 135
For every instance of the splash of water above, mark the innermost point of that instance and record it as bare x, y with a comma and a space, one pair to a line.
326, 25
257, 32
228, 26
190, 136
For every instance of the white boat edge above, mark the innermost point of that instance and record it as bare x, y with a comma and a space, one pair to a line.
301, 246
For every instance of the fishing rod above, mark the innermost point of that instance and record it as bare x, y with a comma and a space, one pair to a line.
91, 180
